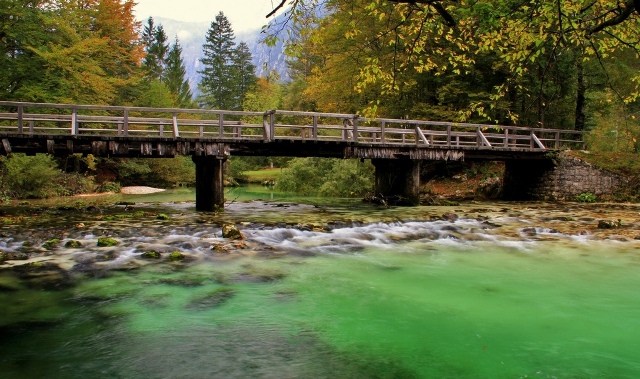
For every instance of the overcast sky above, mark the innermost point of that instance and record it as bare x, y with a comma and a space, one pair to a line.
243, 14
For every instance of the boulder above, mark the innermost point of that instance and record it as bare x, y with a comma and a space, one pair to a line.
232, 232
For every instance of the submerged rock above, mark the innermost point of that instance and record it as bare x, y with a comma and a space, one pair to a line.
212, 299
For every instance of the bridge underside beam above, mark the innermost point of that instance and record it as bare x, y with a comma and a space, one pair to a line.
209, 183
398, 179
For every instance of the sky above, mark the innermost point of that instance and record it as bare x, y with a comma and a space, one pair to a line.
244, 15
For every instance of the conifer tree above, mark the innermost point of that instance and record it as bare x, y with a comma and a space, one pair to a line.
216, 85
174, 76
157, 50
243, 73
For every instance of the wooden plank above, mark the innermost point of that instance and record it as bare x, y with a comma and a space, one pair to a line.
537, 141
482, 139
50, 146
421, 136
146, 148
7, 146
99, 148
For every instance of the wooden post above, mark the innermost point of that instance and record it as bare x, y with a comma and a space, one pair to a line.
506, 137
355, 128
209, 182
266, 127
221, 125
315, 127
125, 123
449, 135
74, 122
383, 125
20, 116
176, 132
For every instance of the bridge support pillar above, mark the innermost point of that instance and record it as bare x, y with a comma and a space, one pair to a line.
398, 179
209, 183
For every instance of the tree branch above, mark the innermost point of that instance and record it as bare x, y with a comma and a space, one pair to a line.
629, 7
435, 4
277, 8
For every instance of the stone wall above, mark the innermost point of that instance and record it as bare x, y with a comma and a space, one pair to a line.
560, 179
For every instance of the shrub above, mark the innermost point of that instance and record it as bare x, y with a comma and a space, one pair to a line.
586, 197
25, 177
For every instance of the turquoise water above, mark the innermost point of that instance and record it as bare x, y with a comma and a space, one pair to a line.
379, 294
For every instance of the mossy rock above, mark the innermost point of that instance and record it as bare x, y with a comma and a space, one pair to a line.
162, 216
107, 241
27, 244
176, 256
150, 254
232, 232
73, 244
52, 243
609, 224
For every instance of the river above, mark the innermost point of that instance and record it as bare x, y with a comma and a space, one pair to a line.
329, 288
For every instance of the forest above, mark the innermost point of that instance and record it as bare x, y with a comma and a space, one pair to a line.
555, 64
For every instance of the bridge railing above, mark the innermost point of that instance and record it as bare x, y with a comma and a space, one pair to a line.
39, 118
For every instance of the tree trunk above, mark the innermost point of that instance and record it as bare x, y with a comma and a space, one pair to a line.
580, 97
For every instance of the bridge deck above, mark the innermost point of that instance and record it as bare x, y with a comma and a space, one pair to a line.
135, 131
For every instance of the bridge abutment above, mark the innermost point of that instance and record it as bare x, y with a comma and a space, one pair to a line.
209, 182
398, 178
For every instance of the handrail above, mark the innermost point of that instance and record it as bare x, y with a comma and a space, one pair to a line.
273, 125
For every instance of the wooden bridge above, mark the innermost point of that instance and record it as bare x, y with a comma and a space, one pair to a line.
396, 146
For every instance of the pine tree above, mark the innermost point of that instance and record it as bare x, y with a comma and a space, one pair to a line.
243, 73
216, 85
157, 50
174, 76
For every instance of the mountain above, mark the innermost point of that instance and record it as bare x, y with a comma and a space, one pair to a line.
191, 36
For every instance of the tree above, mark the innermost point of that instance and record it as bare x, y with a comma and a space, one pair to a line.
216, 85
60, 51
155, 61
174, 76
534, 46
243, 73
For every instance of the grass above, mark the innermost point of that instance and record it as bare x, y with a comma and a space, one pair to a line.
260, 176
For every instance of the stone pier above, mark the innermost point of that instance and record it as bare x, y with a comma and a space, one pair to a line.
398, 178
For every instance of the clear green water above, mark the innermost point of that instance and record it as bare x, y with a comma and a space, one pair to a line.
398, 299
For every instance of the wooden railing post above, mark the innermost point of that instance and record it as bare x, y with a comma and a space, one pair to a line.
449, 135
74, 122
161, 129
315, 128
506, 137
272, 123
557, 145
20, 116
125, 122
355, 128
383, 126
266, 126
176, 132
221, 125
